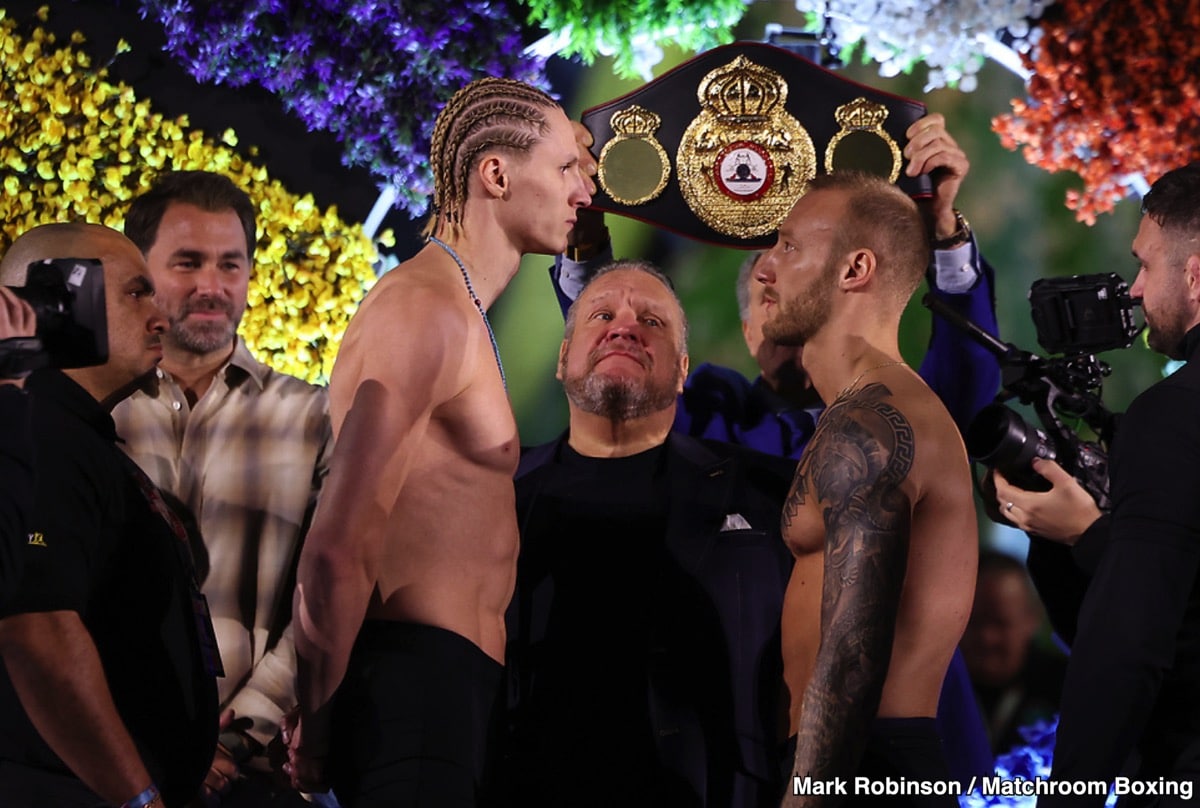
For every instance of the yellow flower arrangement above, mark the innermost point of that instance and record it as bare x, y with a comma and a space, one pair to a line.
74, 146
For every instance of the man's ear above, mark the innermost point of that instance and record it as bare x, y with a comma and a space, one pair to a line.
1191, 276
857, 270
493, 174
558, 368
683, 371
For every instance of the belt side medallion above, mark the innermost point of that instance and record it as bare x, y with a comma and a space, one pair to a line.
861, 143
633, 166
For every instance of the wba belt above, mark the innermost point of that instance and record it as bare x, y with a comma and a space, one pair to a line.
720, 148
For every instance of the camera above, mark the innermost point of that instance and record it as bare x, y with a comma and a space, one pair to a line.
999, 438
1083, 314
1077, 317
67, 297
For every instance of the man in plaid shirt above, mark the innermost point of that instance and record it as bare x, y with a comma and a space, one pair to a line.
243, 447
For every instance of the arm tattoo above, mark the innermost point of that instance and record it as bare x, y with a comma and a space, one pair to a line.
854, 466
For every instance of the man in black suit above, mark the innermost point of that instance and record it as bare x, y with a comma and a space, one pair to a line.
643, 650
1131, 700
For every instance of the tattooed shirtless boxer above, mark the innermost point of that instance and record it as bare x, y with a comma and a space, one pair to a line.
880, 516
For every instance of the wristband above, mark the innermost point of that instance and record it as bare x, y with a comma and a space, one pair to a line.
143, 800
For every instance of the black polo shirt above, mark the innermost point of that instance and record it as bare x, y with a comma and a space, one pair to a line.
16, 484
97, 547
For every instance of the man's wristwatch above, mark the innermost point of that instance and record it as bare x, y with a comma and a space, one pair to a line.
960, 236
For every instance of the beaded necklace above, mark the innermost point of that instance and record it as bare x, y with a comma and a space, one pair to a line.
478, 304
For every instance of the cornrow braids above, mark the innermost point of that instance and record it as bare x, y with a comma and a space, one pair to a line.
490, 113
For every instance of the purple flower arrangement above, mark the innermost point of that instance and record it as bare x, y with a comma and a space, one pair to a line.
374, 73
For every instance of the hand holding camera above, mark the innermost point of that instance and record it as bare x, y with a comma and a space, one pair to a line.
57, 319
17, 321
1077, 316
1061, 513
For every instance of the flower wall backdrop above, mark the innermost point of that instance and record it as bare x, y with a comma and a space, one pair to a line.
634, 31
373, 72
376, 72
951, 38
1114, 94
76, 146
1111, 91
1110, 83
1111, 95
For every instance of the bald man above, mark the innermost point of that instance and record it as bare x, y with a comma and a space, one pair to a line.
17, 320
108, 694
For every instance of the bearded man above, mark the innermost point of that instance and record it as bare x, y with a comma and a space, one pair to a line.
644, 633
880, 516
1131, 700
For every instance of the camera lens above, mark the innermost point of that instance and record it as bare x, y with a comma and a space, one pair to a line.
1001, 439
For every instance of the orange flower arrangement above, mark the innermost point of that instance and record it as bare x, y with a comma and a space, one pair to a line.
1113, 93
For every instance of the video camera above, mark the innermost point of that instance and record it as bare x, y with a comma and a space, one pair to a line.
67, 297
1077, 317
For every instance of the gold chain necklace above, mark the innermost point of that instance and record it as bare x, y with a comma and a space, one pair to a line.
850, 387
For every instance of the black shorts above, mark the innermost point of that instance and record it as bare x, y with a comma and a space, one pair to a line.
414, 719
904, 755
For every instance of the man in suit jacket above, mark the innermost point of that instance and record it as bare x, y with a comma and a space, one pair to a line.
643, 651
1131, 700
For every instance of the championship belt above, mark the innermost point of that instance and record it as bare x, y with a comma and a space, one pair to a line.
720, 148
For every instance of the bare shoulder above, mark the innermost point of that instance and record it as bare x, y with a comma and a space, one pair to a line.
863, 438
409, 334
413, 300
892, 433
939, 458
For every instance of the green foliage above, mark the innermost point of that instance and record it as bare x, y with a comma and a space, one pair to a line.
627, 29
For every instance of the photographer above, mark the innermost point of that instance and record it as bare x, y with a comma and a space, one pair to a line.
108, 693
16, 453
1133, 680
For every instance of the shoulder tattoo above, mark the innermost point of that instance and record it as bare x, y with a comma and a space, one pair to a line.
861, 453
862, 449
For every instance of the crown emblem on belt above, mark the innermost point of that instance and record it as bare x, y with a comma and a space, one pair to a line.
633, 166
860, 114
862, 129
742, 91
636, 121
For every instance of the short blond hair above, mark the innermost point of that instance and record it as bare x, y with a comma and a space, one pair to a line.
882, 218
